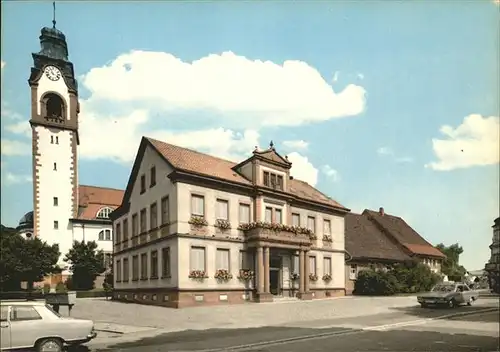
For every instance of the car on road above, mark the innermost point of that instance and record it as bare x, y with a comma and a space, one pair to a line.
34, 324
448, 294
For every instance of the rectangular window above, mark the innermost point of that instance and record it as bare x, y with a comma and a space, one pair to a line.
154, 264
135, 225
267, 181
56, 225
125, 269
153, 216
279, 183
56, 201
164, 211
312, 265
296, 264
197, 205
107, 234
24, 313
165, 262
222, 209
57, 140
108, 257
118, 270
118, 231
269, 214
51, 139
295, 219
327, 227
327, 265
311, 223
143, 184
143, 221
144, 266
55, 166
278, 215
244, 213
243, 260
153, 176
135, 267
353, 272
273, 180
125, 229
222, 259
197, 258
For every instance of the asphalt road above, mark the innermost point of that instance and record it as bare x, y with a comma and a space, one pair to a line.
463, 329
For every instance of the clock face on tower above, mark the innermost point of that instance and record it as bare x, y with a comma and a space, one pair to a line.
52, 73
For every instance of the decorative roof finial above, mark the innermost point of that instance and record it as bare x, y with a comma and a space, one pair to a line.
54, 14
271, 145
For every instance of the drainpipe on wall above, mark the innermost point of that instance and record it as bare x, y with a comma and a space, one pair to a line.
349, 255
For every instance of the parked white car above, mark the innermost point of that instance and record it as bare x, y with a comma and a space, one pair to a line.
34, 324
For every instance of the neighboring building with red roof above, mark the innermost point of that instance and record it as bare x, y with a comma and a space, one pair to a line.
195, 229
375, 239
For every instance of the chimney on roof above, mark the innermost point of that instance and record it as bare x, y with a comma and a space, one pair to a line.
381, 211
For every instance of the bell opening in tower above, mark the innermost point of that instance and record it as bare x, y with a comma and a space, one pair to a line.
54, 106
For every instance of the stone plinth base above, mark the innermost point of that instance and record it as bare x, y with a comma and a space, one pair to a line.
305, 295
264, 297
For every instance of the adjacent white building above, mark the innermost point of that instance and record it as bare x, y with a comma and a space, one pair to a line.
63, 210
196, 229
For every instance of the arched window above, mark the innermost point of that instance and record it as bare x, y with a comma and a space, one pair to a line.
105, 235
103, 213
54, 106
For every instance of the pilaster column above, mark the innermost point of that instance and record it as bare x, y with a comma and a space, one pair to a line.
260, 270
301, 272
307, 270
266, 270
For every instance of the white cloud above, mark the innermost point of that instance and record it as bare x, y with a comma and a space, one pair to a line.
331, 173
385, 151
10, 114
473, 143
296, 144
15, 148
11, 178
361, 76
303, 169
241, 91
2, 64
336, 76
21, 127
388, 152
227, 98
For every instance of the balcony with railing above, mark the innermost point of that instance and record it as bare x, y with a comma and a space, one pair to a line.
278, 234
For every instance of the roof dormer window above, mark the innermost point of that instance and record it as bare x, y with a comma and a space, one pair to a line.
104, 213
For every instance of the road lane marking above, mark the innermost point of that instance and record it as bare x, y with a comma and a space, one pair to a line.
341, 332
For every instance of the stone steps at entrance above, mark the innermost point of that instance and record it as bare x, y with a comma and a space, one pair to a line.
280, 299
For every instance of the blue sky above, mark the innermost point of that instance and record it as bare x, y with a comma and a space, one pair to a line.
357, 93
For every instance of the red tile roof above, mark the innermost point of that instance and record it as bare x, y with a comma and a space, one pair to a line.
203, 164
364, 240
403, 234
91, 199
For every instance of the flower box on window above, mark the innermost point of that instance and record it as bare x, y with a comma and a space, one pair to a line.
327, 277
275, 227
313, 277
246, 275
223, 275
327, 238
198, 221
222, 224
294, 276
198, 274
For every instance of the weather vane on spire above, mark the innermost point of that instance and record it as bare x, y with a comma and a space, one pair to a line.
54, 14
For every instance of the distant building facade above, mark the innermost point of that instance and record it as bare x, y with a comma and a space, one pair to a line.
377, 240
493, 265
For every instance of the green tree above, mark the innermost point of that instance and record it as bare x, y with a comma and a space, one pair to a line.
451, 265
27, 260
86, 263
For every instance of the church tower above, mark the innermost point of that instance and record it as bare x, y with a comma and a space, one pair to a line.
55, 140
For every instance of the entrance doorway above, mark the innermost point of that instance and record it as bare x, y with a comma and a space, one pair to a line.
274, 281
